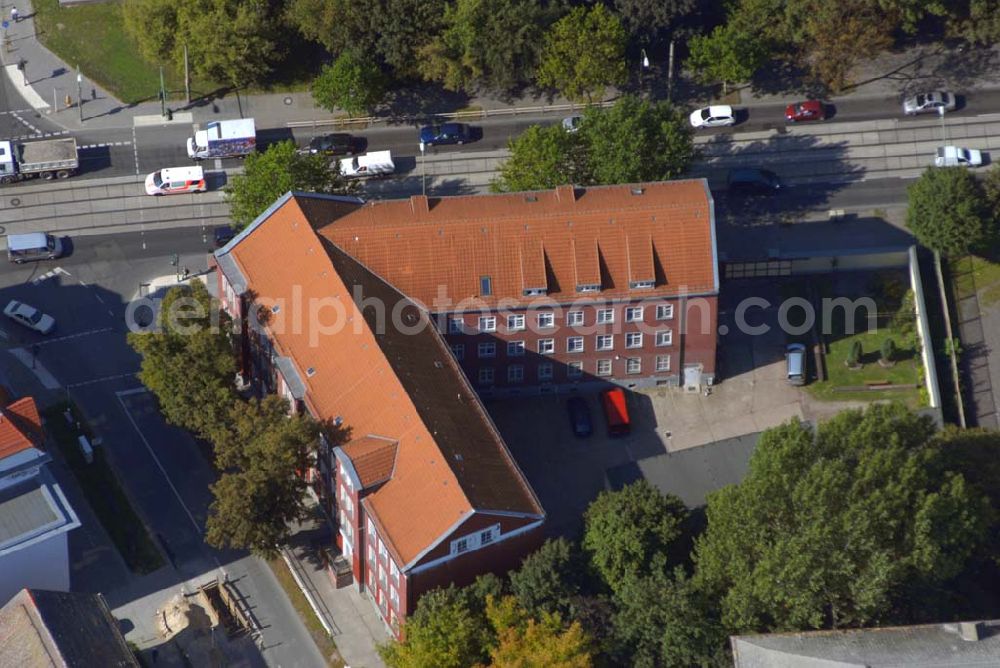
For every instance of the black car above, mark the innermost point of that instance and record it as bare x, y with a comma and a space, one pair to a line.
752, 181
338, 143
579, 417
446, 133
223, 235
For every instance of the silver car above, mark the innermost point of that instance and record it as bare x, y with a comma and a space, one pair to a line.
29, 317
929, 103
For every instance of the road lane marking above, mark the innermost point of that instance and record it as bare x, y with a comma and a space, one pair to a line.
68, 337
106, 144
104, 379
50, 274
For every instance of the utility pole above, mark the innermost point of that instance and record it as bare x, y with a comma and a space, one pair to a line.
187, 76
163, 95
79, 92
423, 168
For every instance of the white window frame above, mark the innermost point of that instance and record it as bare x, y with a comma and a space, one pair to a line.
486, 537
393, 597
633, 365
515, 349
546, 320
606, 364
662, 363
458, 350
609, 339
633, 313
574, 344
546, 346
461, 545
633, 340
605, 316
664, 311
486, 350
547, 368
372, 534
487, 323
371, 552
515, 373
515, 323
486, 375
393, 572
456, 325
664, 338
574, 318
383, 551
574, 370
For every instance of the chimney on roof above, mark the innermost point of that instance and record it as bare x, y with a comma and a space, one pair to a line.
566, 194
419, 204
971, 631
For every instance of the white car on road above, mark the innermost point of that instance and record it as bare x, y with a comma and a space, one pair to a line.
713, 117
29, 317
953, 156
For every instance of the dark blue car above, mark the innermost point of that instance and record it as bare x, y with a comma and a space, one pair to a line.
446, 133
579, 417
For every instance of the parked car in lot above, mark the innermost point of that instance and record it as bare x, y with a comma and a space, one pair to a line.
30, 317
616, 412
572, 123
337, 143
223, 235
579, 417
929, 102
795, 363
713, 117
953, 156
446, 133
176, 181
753, 181
810, 110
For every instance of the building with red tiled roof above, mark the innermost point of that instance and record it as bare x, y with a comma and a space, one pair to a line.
390, 319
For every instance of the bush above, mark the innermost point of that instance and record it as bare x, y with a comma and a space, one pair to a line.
854, 358
888, 350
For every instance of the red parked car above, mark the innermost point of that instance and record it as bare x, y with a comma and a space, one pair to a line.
810, 110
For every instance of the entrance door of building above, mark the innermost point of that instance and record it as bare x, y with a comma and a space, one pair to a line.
692, 377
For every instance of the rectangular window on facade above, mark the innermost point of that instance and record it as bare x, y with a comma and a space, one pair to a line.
486, 537
574, 318
663, 362
394, 573
633, 314
487, 323
371, 530
574, 344
633, 340
603, 367
454, 325
574, 369
515, 323
515, 373
486, 376
546, 346
381, 576
546, 320
461, 545
544, 372
665, 337
605, 341
382, 550
515, 348
605, 316
633, 365
665, 312
394, 597
488, 349
371, 553
458, 350
485, 286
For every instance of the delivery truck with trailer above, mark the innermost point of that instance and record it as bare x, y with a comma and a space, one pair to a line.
224, 139
48, 159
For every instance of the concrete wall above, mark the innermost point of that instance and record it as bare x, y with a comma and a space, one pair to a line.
924, 330
44, 565
826, 264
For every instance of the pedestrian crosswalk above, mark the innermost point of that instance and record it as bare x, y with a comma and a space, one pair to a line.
49, 274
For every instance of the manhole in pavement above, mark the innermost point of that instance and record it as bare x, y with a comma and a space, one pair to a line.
288, 100
15, 201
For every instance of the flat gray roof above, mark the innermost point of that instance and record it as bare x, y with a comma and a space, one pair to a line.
32, 509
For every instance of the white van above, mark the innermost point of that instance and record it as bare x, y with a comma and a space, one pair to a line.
953, 156
33, 246
176, 180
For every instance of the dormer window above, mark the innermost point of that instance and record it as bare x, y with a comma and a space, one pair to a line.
534, 292
485, 286
642, 285
589, 287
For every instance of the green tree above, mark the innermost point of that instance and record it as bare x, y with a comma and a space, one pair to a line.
830, 525
542, 157
628, 533
888, 350
489, 43
991, 194
583, 53
947, 211
153, 26
443, 632
549, 580
648, 19
662, 620
281, 168
524, 642
855, 354
728, 54
263, 452
352, 82
188, 360
636, 141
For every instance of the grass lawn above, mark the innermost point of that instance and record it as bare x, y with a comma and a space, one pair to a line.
325, 643
985, 277
93, 37
103, 492
905, 372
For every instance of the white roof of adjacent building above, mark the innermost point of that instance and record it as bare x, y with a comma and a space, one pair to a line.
33, 511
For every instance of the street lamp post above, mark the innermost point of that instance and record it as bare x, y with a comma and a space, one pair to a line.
79, 92
423, 169
944, 133
643, 67
163, 95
